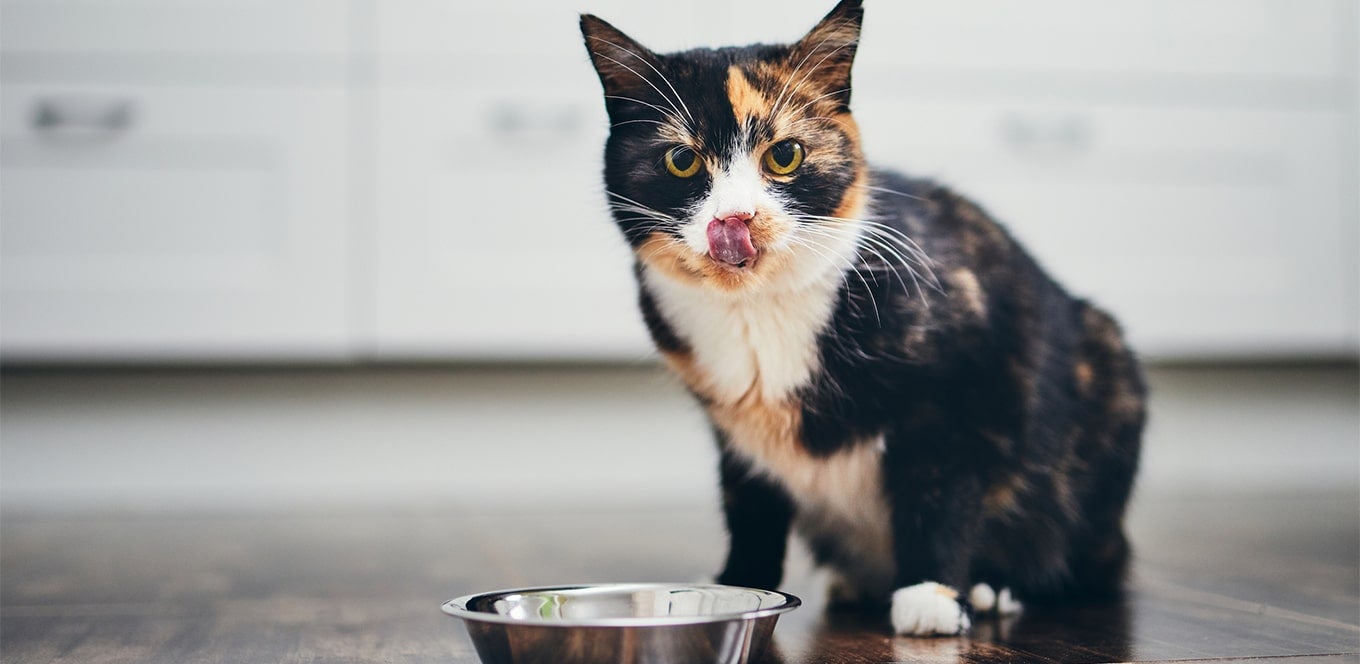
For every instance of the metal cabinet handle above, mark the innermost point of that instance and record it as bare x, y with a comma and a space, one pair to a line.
514, 121
83, 114
1047, 132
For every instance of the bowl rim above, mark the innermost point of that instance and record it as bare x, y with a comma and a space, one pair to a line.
457, 607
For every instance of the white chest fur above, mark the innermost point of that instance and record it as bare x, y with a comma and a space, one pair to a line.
762, 345
748, 356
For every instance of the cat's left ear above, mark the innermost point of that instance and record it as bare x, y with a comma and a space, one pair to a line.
623, 64
826, 54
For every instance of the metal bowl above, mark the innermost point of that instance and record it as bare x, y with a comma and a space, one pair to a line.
635, 623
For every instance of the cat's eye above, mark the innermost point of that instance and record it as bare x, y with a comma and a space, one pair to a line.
682, 162
784, 157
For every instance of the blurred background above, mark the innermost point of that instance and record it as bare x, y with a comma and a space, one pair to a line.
264, 254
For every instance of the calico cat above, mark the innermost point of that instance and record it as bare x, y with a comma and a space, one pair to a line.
886, 370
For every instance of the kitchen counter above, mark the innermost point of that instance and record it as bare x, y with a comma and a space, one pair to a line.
1223, 578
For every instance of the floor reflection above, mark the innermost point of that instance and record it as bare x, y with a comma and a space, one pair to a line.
1063, 633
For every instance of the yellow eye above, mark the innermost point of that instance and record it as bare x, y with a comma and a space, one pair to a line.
784, 157
682, 162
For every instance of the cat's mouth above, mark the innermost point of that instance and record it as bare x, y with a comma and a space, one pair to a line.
729, 242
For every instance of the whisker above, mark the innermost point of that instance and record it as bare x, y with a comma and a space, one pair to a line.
810, 72
819, 98
813, 246
896, 243
630, 201
672, 115
823, 118
892, 191
646, 80
655, 122
774, 108
869, 244
658, 73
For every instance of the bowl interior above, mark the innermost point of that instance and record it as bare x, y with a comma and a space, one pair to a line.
621, 602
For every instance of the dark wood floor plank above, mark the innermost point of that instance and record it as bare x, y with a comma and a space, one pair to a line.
1216, 580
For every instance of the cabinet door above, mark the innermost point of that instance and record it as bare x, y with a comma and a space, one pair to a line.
1210, 233
493, 238
1266, 39
165, 223
190, 28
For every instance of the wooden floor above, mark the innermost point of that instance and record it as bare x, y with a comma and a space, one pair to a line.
1216, 579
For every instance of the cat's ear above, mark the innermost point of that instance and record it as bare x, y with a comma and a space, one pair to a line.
622, 63
827, 52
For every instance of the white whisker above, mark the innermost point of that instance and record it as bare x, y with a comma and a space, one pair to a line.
678, 120
647, 80
810, 72
892, 191
658, 73
898, 245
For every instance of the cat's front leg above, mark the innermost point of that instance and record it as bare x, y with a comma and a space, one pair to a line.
758, 515
935, 502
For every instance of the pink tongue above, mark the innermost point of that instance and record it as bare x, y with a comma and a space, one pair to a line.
729, 241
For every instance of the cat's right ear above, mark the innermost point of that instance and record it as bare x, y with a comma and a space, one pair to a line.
622, 63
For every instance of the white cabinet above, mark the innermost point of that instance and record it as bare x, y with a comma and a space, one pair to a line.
1208, 232
1260, 39
492, 238
177, 28
211, 180
206, 224
160, 207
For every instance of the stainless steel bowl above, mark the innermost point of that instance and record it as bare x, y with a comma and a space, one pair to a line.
635, 623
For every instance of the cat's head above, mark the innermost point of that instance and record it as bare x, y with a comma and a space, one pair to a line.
738, 168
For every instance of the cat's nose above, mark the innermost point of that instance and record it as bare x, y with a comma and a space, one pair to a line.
729, 239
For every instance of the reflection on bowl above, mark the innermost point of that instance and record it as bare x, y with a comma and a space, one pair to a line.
633, 622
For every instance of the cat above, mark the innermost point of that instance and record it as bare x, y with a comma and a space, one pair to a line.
886, 371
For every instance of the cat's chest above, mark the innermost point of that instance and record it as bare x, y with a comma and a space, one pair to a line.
748, 359
762, 347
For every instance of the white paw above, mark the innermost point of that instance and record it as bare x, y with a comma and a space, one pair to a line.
984, 599
928, 608
1007, 605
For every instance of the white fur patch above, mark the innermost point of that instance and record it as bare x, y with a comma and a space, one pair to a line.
752, 348
927, 609
842, 496
1007, 605
984, 599
760, 347
737, 188
763, 341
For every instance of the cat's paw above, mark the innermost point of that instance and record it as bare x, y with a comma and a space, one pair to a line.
984, 599
927, 609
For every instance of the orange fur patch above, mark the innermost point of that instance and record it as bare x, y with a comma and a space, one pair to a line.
1083, 374
965, 284
747, 102
1003, 496
855, 198
946, 591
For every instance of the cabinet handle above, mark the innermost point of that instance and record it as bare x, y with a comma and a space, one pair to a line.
83, 115
1052, 133
518, 121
